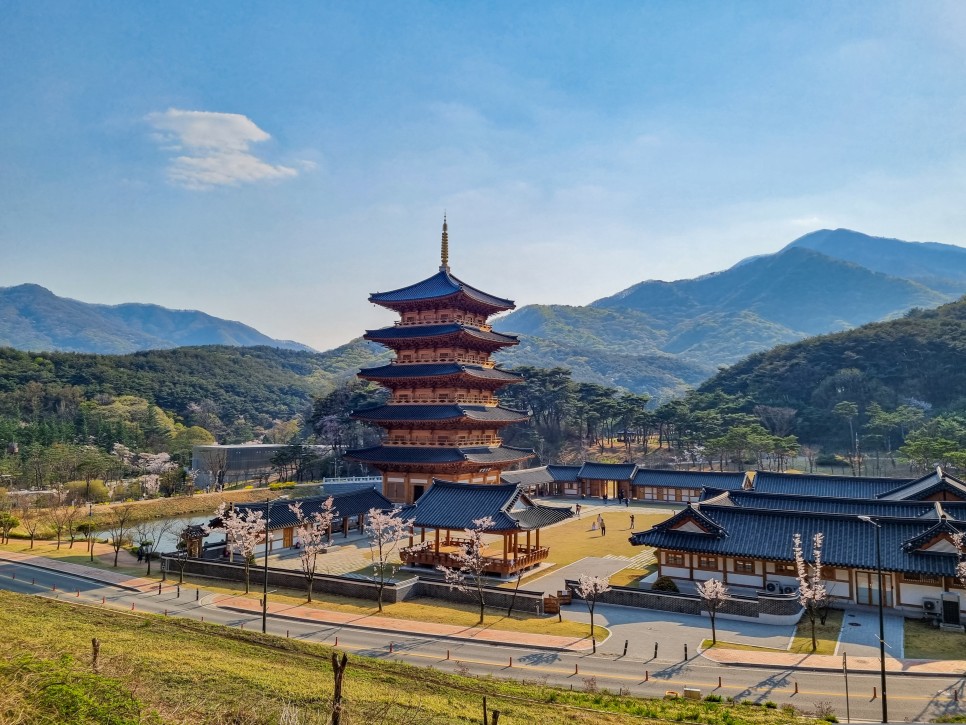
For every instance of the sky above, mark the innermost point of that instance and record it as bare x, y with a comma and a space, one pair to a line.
274, 163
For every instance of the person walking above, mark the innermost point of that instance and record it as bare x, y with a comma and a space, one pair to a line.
578, 511
600, 520
632, 523
603, 529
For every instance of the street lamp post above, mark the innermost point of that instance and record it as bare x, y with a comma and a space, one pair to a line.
90, 527
268, 518
878, 567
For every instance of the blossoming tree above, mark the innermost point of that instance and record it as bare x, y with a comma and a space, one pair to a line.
472, 563
312, 534
385, 531
589, 588
243, 533
713, 594
812, 593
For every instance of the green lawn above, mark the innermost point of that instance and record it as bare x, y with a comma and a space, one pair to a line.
925, 642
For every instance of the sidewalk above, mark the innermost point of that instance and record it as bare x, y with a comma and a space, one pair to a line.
125, 581
404, 627
833, 663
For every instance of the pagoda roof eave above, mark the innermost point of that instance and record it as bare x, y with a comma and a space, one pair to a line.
439, 287
410, 412
396, 371
406, 333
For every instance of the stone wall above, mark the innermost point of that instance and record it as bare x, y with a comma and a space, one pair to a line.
765, 608
415, 586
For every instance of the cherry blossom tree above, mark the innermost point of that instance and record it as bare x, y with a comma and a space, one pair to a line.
243, 533
385, 531
960, 541
812, 594
713, 594
312, 533
589, 588
472, 563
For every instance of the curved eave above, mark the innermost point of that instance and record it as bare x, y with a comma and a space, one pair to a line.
454, 371
415, 413
426, 455
441, 287
452, 334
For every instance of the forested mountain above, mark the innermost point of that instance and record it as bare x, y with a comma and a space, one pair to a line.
688, 328
254, 383
918, 361
34, 318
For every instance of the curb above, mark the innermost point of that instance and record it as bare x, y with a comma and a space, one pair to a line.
837, 670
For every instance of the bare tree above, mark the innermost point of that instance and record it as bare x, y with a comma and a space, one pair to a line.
472, 563
338, 673
385, 531
243, 533
118, 526
148, 534
29, 515
61, 518
312, 534
214, 461
812, 593
589, 588
713, 595
779, 421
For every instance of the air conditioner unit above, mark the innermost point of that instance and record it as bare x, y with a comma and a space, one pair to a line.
771, 587
788, 590
931, 606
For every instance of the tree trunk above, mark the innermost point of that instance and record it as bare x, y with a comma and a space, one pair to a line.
338, 672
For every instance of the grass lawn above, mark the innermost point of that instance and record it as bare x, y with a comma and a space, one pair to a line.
153, 670
925, 642
631, 577
827, 635
419, 609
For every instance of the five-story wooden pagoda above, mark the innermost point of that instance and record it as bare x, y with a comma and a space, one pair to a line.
442, 419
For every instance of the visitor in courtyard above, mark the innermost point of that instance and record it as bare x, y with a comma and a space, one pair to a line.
578, 511
632, 522
603, 528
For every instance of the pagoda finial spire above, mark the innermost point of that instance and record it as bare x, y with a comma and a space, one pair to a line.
444, 252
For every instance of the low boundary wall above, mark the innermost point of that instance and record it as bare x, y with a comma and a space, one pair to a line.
765, 608
350, 586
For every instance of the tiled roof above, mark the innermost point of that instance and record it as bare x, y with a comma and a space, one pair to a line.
454, 506
414, 412
689, 479
428, 455
442, 284
527, 476
420, 370
818, 485
608, 471
820, 504
349, 505
757, 534
415, 332
563, 473
943, 526
937, 481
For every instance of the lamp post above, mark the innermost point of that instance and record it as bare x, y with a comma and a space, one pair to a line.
878, 567
268, 518
90, 527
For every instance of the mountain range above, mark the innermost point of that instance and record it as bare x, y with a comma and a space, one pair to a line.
655, 337
34, 318
661, 337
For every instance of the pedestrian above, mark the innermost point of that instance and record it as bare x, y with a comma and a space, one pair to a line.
140, 554
593, 526
632, 522
600, 520
605, 499
627, 502
603, 529
578, 511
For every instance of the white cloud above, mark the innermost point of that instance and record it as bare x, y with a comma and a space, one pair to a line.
214, 149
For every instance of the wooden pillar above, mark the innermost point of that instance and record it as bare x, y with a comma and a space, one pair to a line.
538, 538
437, 540
504, 548
422, 534
345, 526
528, 540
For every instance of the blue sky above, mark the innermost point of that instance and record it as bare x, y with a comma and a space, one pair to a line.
275, 162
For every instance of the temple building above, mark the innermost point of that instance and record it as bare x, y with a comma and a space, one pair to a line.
442, 419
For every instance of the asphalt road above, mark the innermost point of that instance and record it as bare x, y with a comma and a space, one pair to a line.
910, 697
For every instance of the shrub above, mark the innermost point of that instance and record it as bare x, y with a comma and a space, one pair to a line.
712, 698
771, 705
77, 492
665, 584
830, 459
278, 485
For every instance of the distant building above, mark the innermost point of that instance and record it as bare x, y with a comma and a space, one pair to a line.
443, 419
232, 464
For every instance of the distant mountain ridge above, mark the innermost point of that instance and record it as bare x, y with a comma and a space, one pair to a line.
826, 281
34, 318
